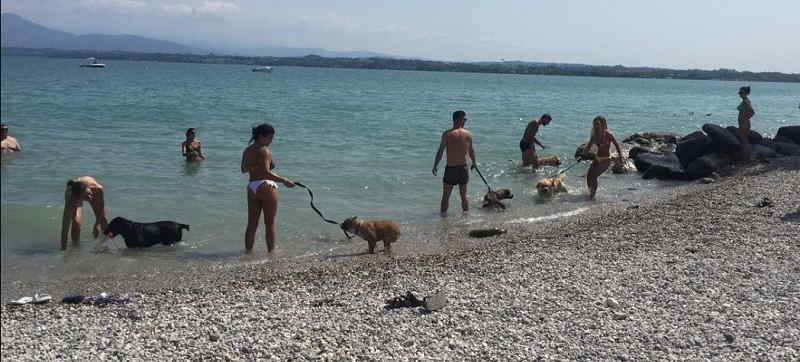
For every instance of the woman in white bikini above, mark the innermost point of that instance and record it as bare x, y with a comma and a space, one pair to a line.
603, 138
262, 191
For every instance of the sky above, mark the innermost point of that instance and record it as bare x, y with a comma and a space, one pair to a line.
681, 34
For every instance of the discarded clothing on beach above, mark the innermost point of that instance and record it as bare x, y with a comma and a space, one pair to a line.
36, 299
409, 300
483, 233
100, 300
766, 202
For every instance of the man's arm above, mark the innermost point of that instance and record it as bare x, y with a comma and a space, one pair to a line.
442, 146
200, 151
534, 131
99, 207
471, 151
66, 220
183, 148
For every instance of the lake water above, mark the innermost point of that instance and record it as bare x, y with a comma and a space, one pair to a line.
364, 140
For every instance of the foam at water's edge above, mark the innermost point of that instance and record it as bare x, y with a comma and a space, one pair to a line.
548, 217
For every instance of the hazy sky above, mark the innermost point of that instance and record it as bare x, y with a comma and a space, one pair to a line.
706, 34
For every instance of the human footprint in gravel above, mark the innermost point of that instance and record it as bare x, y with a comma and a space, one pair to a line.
262, 190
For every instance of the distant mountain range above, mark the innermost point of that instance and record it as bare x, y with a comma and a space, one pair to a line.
22, 33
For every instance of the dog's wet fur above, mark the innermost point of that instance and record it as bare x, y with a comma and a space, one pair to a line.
143, 235
548, 161
373, 231
550, 186
492, 199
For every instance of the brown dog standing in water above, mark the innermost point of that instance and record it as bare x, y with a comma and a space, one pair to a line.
373, 231
492, 198
549, 186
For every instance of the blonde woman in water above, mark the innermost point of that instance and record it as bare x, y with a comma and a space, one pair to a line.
262, 190
602, 138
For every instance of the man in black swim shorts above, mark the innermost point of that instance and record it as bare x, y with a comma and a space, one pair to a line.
528, 141
458, 143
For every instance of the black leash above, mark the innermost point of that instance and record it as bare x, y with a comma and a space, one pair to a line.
310, 193
570, 166
479, 174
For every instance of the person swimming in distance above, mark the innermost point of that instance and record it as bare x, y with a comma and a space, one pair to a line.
191, 147
84, 188
602, 138
262, 189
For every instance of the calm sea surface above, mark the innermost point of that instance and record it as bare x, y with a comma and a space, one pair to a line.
364, 140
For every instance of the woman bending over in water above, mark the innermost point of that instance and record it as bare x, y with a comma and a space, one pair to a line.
603, 138
262, 191
78, 190
191, 147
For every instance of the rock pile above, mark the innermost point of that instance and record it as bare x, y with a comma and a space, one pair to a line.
701, 153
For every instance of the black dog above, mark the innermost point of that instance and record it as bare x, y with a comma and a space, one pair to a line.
143, 235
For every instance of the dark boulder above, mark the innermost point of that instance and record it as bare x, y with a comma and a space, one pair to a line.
582, 153
707, 164
692, 135
650, 137
640, 149
722, 139
761, 152
663, 166
790, 132
690, 149
786, 148
754, 137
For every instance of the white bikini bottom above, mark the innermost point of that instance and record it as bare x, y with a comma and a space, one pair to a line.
253, 185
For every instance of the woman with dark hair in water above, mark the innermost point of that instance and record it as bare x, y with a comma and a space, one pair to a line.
602, 138
745, 113
190, 148
262, 190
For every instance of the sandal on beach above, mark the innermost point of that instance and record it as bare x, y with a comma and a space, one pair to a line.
21, 301
41, 298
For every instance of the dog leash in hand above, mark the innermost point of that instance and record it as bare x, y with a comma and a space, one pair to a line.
310, 193
569, 167
482, 178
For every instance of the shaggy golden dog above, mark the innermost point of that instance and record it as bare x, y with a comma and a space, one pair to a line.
373, 231
548, 161
550, 186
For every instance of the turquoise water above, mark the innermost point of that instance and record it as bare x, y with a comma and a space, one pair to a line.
364, 140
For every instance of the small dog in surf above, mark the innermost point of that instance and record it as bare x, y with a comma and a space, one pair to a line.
144, 235
373, 231
550, 186
492, 198
548, 161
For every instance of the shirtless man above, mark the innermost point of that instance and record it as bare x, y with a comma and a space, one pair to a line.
458, 143
526, 145
78, 190
9, 144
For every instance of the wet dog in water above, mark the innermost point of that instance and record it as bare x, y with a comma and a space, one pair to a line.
373, 232
548, 161
492, 198
550, 186
143, 235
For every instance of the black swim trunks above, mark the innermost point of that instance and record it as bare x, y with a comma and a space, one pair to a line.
456, 175
524, 146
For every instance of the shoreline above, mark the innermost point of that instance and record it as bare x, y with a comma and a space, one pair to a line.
698, 273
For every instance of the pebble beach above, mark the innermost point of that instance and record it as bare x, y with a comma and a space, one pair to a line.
705, 272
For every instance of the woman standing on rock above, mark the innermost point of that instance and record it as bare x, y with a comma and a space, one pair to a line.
745, 113
262, 190
603, 138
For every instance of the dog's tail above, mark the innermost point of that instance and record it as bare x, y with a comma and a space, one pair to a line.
184, 226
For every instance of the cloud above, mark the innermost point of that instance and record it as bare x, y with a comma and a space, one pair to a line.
206, 9
121, 5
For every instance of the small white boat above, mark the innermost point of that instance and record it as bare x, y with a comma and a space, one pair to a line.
266, 69
92, 63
